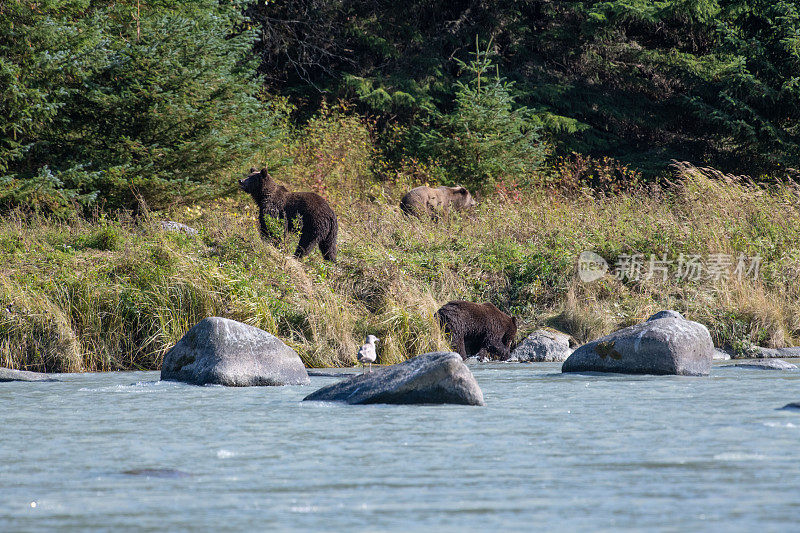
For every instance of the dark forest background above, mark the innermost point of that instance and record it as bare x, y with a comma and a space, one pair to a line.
151, 101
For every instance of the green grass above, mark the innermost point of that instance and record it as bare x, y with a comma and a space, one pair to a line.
111, 294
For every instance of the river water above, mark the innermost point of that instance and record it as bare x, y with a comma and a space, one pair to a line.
123, 451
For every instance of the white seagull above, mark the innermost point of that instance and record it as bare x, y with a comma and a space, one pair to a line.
366, 354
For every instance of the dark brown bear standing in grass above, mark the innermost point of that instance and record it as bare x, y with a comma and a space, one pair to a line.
319, 225
478, 329
434, 201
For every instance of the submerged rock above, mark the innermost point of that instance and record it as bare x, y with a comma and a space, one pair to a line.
543, 346
767, 364
439, 377
7, 374
660, 346
329, 374
170, 473
225, 352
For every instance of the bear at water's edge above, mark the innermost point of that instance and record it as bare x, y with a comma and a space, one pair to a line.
319, 224
478, 329
433, 201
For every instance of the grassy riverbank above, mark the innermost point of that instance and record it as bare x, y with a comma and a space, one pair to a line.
108, 294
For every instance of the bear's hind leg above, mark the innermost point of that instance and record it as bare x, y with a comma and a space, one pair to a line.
328, 249
307, 243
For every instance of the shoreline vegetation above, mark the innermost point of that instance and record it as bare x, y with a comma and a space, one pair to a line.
115, 292
575, 125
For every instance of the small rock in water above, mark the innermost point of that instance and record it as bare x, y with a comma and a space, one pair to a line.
433, 378
8, 374
792, 406
765, 364
543, 346
720, 355
220, 351
760, 352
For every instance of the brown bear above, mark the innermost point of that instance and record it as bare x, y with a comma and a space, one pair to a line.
319, 224
478, 329
432, 201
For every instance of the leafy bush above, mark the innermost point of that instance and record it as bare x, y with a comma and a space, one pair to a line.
606, 174
334, 154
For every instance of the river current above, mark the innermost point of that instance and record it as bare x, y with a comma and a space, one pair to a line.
124, 451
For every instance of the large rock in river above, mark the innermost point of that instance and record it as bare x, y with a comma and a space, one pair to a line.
543, 346
225, 352
7, 374
668, 345
439, 377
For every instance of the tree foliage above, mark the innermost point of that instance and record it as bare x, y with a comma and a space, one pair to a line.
122, 101
485, 137
706, 80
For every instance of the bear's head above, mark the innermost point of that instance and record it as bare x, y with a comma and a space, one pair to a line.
462, 198
509, 339
258, 184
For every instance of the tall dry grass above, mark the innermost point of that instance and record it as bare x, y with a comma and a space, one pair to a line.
116, 293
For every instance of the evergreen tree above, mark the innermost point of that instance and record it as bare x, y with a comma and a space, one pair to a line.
128, 101
486, 137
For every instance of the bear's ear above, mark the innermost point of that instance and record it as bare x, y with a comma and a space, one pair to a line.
462, 190
264, 172
253, 170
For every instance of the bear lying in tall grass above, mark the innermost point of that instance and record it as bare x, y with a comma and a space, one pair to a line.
319, 224
432, 201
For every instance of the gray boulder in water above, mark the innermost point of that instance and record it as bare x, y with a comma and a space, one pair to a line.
439, 377
765, 364
7, 374
543, 346
225, 352
660, 346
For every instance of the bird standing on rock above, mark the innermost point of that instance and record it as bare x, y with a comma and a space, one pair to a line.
367, 354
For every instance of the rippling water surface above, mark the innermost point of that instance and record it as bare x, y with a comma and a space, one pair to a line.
549, 451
